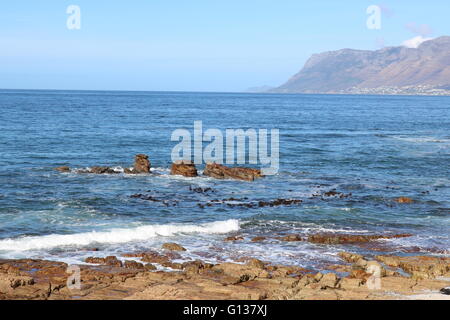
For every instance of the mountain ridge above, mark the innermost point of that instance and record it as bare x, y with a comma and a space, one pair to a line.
352, 70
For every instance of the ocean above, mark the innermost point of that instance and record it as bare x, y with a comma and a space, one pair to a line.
372, 149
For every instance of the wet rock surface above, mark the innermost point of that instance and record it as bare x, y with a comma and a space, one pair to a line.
141, 165
184, 168
348, 238
63, 169
112, 278
173, 246
99, 170
218, 171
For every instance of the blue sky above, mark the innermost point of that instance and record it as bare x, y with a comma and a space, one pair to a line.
196, 45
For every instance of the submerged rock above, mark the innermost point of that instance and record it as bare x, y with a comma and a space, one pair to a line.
184, 168
258, 239
173, 246
219, 171
98, 170
404, 200
350, 238
291, 237
234, 238
63, 169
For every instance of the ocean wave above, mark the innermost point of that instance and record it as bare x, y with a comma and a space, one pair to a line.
116, 235
422, 139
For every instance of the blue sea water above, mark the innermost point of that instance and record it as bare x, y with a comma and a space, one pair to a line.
375, 147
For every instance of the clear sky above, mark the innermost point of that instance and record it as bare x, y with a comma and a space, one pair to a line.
195, 45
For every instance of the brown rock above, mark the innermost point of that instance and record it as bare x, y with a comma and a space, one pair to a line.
360, 274
63, 169
349, 238
234, 238
291, 237
108, 261
8, 282
350, 257
240, 273
129, 264
256, 263
350, 283
102, 170
141, 164
420, 267
258, 239
184, 168
329, 280
173, 246
154, 257
149, 267
219, 171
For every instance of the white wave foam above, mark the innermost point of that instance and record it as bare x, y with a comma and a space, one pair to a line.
421, 139
116, 235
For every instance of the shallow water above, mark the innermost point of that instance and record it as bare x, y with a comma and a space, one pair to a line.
374, 147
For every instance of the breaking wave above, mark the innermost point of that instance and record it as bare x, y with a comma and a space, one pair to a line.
116, 235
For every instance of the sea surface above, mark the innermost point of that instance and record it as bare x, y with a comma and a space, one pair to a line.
371, 148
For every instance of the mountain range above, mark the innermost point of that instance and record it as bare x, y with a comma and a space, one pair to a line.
426, 67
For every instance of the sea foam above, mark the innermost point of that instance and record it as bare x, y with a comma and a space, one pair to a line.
116, 235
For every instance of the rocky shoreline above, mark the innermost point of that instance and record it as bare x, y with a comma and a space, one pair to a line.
138, 275
162, 274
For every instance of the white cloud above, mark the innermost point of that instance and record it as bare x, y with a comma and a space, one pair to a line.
415, 42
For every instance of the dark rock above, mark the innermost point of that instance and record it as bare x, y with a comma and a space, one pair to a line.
445, 290
184, 168
102, 170
219, 171
201, 190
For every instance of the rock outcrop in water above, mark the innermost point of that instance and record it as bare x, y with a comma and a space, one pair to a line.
219, 171
141, 165
184, 168
349, 238
100, 170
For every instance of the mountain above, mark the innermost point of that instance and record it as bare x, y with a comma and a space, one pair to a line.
426, 67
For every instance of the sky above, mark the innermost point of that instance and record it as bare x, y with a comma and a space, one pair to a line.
196, 45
